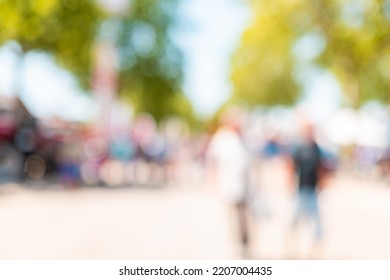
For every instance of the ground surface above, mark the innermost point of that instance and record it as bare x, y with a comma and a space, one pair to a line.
184, 222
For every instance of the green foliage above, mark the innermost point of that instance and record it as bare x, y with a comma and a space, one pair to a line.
64, 28
263, 64
150, 71
150, 64
358, 46
357, 49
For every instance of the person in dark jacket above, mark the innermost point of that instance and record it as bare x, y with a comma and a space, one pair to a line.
306, 165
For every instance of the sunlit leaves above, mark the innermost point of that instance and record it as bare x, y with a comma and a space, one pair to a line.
263, 64
64, 28
358, 43
150, 63
355, 46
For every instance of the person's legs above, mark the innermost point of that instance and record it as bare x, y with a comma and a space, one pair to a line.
307, 209
243, 226
300, 208
314, 212
293, 240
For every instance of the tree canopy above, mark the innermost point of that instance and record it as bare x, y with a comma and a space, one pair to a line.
263, 64
64, 28
150, 66
356, 36
150, 70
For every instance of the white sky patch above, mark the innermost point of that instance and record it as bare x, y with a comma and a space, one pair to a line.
321, 95
7, 62
115, 6
47, 90
52, 91
308, 47
218, 25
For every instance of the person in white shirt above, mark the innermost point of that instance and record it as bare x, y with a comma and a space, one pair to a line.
229, 159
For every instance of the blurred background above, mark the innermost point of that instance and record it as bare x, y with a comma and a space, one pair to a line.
113, 116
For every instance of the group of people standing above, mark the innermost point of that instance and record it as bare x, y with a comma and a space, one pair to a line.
230, 162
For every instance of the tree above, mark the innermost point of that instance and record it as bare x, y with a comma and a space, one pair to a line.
358, 46
356, 49
64, 28
262, 67
150, 70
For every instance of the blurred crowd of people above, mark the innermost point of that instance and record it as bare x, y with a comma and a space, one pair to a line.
77, 154
144, 152
233, 157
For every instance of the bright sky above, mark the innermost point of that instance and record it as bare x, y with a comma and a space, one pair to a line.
217, 26
47, 89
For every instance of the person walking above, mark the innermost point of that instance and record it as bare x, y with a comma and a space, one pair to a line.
307, 165
228, 159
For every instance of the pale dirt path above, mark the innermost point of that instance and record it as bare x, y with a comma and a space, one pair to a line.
183, 223
113, 224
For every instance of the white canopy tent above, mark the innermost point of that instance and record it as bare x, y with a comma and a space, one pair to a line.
350, 127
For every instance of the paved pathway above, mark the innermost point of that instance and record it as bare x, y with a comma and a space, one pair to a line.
181, 223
